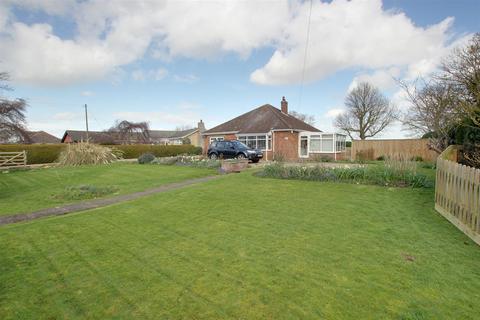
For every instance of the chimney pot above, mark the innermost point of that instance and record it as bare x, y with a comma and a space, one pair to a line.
284, 105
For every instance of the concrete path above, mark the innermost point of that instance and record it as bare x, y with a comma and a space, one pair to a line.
98, 203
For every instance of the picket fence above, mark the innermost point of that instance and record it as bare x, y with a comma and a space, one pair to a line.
457, 195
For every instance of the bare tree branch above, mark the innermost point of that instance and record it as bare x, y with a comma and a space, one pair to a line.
307, 118
368, 113
431, 112
12, 116
461, 70
131, 132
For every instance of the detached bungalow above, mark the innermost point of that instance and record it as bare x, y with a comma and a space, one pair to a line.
278, 134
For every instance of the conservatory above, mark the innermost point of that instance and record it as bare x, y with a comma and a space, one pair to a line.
312, 143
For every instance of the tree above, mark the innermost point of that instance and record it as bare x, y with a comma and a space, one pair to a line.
131, 132
183, 127
304, 117
12, 115
368, 112
431, 111
461, 71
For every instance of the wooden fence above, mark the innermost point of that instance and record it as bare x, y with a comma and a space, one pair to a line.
372, 149
13, 159
457, 195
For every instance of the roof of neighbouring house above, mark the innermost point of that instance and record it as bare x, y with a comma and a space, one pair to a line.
42, 137
93, 136
261, 120
106, 137
172, 134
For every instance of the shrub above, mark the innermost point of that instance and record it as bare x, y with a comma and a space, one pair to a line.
146, 158
85, 192
379, 175
321, 158
381, 158
82, 153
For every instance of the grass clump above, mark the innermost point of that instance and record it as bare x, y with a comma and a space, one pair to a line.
85, 191
393, 173
83, 153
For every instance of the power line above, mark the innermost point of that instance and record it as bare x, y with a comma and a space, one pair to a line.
305, 56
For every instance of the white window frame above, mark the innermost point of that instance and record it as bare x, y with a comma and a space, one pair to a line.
216, 138
337, 137
268, 137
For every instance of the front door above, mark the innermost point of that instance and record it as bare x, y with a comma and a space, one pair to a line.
303, 146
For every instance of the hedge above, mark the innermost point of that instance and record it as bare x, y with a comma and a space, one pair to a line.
48, 153
36, 153
131, 151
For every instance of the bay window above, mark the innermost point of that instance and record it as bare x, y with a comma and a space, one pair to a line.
261, 142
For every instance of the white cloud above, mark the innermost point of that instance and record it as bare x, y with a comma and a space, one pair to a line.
332, 113
188, 78
113, 34
384, 79
346, 34
138, 75
142, 75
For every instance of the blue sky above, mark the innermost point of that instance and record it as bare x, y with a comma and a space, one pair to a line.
173, 63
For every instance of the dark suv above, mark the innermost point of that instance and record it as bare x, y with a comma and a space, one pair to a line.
233, 149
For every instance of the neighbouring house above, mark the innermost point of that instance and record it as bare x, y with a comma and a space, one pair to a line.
36, 137
278, 134
192, 136
42, 137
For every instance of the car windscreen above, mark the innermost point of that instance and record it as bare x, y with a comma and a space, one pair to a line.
239, 144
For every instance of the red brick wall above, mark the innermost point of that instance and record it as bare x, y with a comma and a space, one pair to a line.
206, 140
340, 156
285, 144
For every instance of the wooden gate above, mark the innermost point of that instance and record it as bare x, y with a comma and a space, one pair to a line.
13, 159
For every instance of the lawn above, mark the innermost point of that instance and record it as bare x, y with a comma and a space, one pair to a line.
245, 247
25, 191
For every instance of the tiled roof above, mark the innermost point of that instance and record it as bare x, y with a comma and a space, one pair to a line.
105, 137
42, 137
262, 120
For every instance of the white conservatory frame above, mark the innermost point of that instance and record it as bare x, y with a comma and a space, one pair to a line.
336, 143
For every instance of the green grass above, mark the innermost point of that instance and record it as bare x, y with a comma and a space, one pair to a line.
245, 247
25, 191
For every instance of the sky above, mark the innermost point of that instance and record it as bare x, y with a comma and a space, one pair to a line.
172, 63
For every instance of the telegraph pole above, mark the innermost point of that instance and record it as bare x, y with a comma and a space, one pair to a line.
86, 119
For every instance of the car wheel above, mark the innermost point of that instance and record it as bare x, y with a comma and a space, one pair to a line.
212, 156
241, 156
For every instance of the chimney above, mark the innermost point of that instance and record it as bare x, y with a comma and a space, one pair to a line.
284, 105
201, 126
